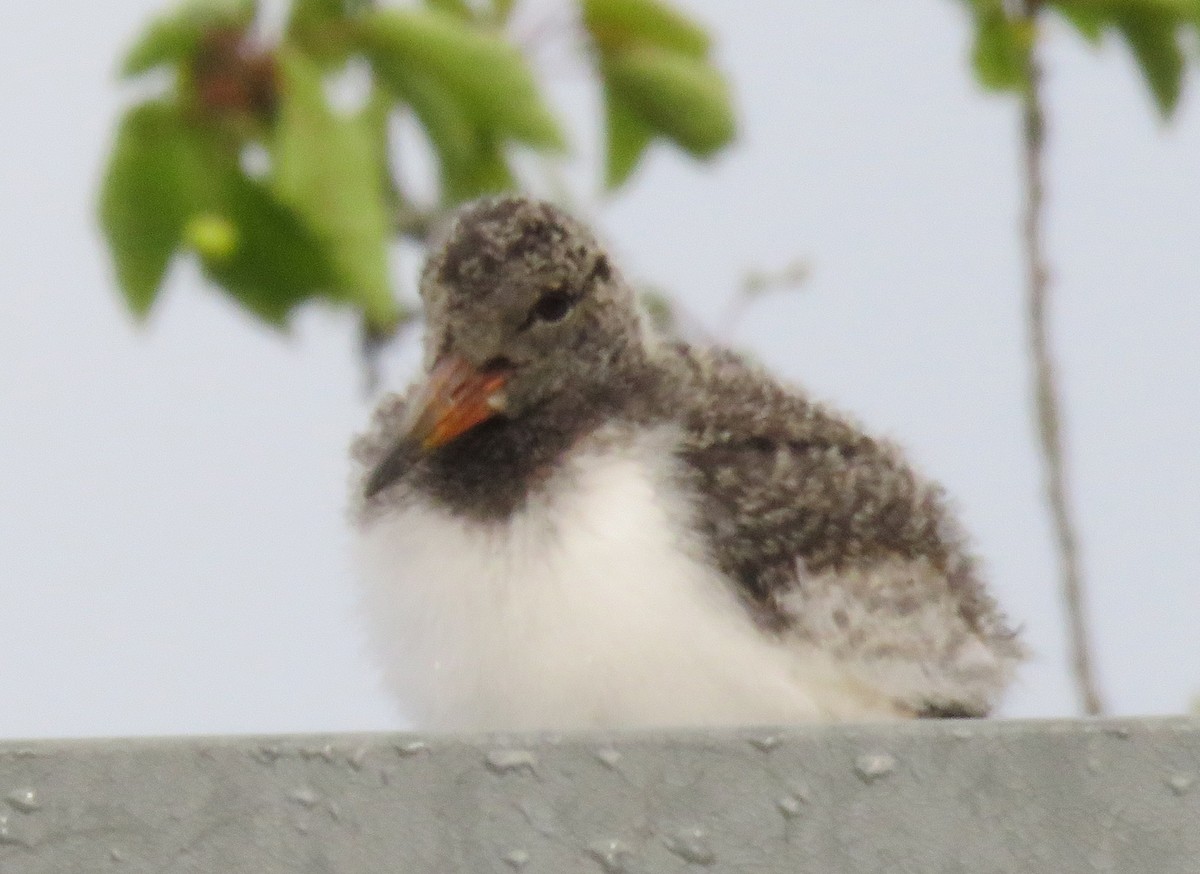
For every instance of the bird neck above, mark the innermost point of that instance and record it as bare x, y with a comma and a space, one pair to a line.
491, 471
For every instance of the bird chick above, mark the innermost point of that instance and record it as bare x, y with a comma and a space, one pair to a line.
571, 522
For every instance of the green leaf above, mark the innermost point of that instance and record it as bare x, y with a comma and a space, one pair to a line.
460, 9
149, 192
451, 131
628, 138
1153, 30
620, 24
170, 184
1155, 45
502, 10
488, 173
471, 162
321, 30
685, 99
1111, 9
1001, 52
211, 236
488, 76
1086, 20
1092, 17
276, 261
174, 37
317, 13
656, 82
330, 170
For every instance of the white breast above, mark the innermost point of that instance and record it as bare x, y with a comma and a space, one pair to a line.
592, 607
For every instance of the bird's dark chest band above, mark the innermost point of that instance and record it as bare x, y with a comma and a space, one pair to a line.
490, 473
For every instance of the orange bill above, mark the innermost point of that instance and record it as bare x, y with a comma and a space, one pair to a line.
456, 398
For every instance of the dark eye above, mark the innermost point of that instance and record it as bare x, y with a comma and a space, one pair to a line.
553, 306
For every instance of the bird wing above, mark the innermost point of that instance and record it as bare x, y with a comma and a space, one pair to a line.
836, 543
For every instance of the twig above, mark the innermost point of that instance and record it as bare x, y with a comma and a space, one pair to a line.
414, 224
1046, 381
754, 286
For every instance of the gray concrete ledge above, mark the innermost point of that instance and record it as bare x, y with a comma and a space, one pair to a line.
924, 798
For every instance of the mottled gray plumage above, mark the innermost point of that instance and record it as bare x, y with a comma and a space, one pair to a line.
827, 534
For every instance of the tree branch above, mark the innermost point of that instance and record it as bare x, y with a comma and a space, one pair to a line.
1046, 394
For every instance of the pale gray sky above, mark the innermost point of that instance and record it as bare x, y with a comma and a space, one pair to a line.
172, 541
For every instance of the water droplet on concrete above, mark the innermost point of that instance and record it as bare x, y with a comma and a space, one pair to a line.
962, 732
24, 801
691, 845
355, 759
10, 834
507, 761
516, 859
325, 751
266, 755
305, 797
116, 855
800, 789
412, 748
1116, 731
541, 817
609, 757
766, 743
872, 766
1181, 784
790, 806
614, 856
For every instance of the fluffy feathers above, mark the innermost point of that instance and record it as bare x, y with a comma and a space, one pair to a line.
651, 534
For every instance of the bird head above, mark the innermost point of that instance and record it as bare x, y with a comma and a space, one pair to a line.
523, 310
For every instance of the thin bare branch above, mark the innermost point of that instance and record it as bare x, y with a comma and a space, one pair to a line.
414, 224
755, 285
1046, 385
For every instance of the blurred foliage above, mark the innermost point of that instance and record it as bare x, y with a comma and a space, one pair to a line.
284, 197
1160, 33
